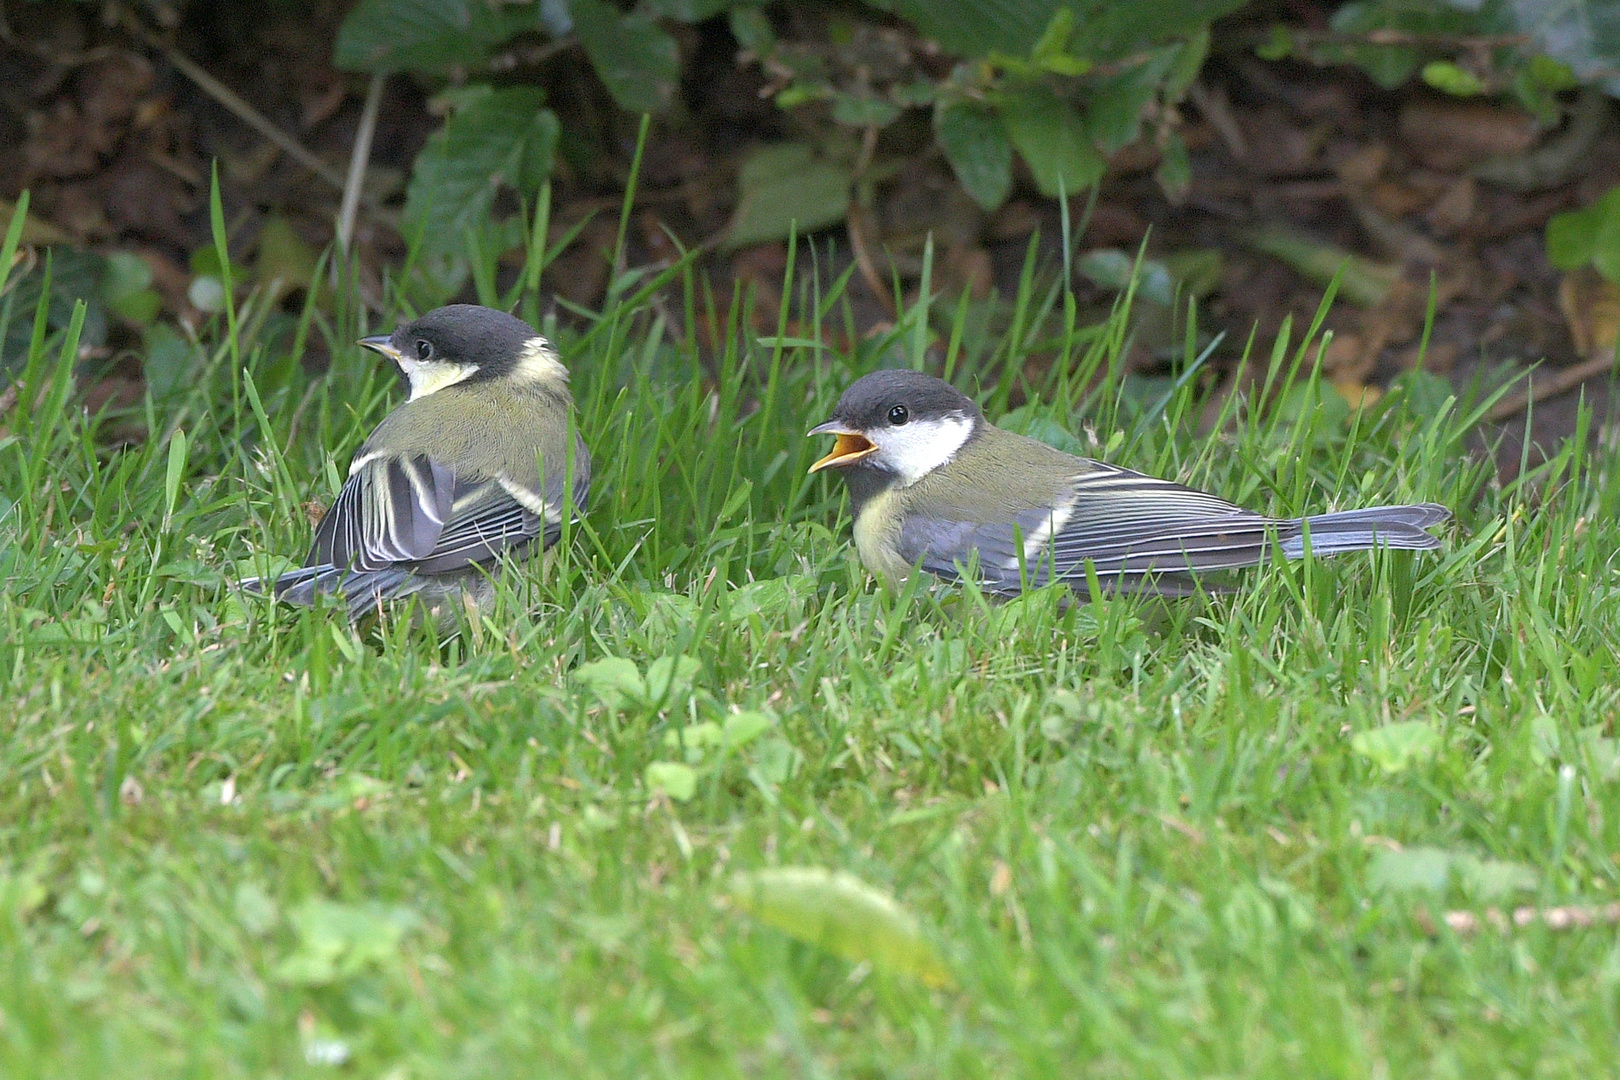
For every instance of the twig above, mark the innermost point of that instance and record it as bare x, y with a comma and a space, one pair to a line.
232, 101
1562, 383
1214, 106
357, 163
1554, 918
863, 260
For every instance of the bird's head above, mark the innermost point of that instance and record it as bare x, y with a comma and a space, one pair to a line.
468, 343
901, 423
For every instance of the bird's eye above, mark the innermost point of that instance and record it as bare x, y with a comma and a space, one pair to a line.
898, 415
424, 349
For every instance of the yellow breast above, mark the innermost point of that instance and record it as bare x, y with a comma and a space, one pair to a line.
877, 532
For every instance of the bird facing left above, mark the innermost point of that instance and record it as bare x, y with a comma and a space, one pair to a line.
473, 469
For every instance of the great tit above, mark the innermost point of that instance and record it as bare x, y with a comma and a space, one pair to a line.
934, 485
473, 468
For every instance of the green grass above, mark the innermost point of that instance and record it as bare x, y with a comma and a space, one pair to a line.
237, 840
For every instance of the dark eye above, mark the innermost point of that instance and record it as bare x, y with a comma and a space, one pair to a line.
424, 349
898, 415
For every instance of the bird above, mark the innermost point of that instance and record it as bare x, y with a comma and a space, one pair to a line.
472, 469
934, 485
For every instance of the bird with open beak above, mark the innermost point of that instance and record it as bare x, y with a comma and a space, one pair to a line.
934, 485
480, 465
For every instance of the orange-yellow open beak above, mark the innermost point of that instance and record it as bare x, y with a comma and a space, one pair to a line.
850, 447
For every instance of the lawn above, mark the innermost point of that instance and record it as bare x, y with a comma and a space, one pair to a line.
1208, 837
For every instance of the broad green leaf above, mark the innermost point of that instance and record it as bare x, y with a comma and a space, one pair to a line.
787, 186
976, 146
168, 361
1590, 234
503, 138
699, 736
256, 912
842, 914
615, 680
430, 36
1492, 879
635, 59
126, 281
284, 256
1448, 78
1052, 139
1413, 869
674, 779
1431, 869
669, 678
1114, 106
1397, 747
864, 110
772, 599
742, 728
338, 940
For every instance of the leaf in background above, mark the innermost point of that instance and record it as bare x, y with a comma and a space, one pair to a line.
430, 36
1364, 281
1114, 107
284, 256
785, 185
1448, 78
977, 148
842, 914
1492, 879
674, 779
742, 728
635, 59
1590, 234
126, 281
1413, 869
614, 679
1030, 420
1397, 747
500, 137
1053, 140
74, 275
1583, 36
669, 678
338, 940
1591, 306
864, 110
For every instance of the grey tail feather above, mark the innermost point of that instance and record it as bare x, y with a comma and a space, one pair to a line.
1403, 528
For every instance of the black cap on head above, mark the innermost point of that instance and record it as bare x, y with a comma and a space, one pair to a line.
466, 334
889, 398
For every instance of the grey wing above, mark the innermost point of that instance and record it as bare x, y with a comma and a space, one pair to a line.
390, 510
1124, 523
416, 513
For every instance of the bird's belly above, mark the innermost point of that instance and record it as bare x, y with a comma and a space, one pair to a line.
877, 530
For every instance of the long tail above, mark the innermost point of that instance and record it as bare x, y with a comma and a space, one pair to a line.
360, 591
1402, 528
1229, 541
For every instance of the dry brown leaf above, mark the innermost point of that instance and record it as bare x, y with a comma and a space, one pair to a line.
1591, 307
1452, 135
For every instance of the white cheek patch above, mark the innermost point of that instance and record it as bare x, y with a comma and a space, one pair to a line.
538, 363
912, 451
430, 376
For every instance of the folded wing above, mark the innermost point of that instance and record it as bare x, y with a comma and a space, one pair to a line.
1129, 526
